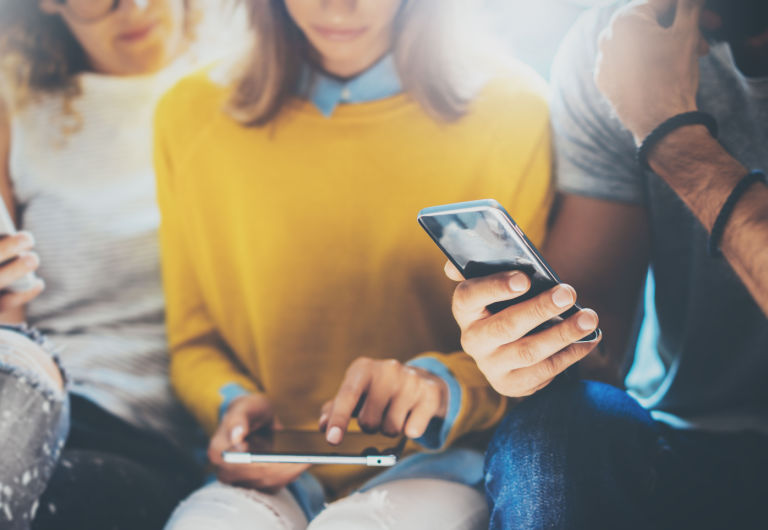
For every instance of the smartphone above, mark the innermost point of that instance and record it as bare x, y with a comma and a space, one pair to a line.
290, 447
7, 228
480, 238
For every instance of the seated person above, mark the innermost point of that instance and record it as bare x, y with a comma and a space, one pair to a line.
297, 279
81, 80
687, 447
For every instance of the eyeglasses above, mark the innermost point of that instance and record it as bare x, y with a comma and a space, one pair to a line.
93, 10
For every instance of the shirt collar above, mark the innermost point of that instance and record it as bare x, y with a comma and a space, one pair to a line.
380, 81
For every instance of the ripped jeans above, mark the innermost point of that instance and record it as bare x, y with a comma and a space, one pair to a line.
67, 463
424, 490
34, 423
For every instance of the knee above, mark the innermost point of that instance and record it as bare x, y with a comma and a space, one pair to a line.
580, 421
568, 411
222, 507
408, 503
25, 355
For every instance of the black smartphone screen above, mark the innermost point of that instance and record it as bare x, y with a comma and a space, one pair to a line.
290, 442
482, 241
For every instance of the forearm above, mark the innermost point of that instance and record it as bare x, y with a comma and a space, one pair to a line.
703, 174
202, 375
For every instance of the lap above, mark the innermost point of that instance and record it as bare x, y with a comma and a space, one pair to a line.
401, 505
408, 504
582, 454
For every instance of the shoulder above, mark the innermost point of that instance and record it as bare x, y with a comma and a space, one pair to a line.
192, 104
578, 50
514, 97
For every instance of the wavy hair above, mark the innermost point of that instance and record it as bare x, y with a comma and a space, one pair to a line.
39, 54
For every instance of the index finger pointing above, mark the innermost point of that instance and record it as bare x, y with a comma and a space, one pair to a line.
473, 296
355, 383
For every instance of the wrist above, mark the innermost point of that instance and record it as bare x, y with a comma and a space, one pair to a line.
442, 387
698, 169
642, 130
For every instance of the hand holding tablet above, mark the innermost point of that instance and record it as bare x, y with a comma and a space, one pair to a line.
385, 396
245, 415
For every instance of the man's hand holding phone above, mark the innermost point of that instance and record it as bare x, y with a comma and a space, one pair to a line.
515, 363
246, 415
385, 396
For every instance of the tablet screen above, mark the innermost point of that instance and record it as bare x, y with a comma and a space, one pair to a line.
314, 443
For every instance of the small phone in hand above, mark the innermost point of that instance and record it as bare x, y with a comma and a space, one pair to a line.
480, 238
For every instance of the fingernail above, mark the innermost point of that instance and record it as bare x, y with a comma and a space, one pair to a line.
334, 435
518, 282
323, 419
30, 258
562, 297
26, 239
587, 320
237, 434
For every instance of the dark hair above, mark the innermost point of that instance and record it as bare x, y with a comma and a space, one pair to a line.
429, 58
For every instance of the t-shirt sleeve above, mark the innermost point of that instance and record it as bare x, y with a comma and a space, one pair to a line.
595, 153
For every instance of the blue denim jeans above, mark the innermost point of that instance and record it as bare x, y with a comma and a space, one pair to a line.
587, 455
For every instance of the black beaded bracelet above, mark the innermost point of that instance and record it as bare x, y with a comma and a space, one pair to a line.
713, 244
672, 124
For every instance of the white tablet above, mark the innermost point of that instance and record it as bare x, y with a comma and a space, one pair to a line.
292, 447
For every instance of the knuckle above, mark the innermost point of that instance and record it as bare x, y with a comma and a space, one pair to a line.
525, 354
468, 343
461, 296
566, 334
542, 309
549, 367
392, 365
361, 362
491, 371
429, 391
346, 391
503, 326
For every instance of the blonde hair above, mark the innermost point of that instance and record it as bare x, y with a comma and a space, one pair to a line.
431, 59
38, 53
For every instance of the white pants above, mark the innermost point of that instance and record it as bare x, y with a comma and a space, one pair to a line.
402, 505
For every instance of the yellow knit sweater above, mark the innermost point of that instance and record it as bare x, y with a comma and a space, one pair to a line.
293, 249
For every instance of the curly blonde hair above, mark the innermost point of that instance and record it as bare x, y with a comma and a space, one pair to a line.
39, 54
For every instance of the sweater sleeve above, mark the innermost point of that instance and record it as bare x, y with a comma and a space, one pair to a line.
202, 366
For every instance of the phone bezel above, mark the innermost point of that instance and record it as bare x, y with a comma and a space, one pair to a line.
516, 232
382, 458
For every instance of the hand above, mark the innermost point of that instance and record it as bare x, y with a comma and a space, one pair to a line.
649, 72
245, 415
17, 261
392, 398
517, 364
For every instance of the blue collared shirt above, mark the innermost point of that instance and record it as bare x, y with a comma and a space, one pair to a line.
380, 81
